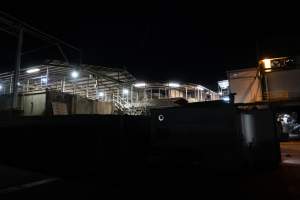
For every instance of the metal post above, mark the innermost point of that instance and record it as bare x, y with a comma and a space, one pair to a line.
11, 84
118, 95
63, 86
17, 70
47, 74
131, 91
166, 96
87, 88
27, 86
74, 88
186, 93
158, 93
201, 95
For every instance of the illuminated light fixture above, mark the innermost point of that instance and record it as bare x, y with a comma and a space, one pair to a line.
174, 85
220, 93
1, 87
226, 99
140, 85
74, 74
44, 80
101, 94
125, 91
199, 87
223, 84
19, 84
267, 64
32, 70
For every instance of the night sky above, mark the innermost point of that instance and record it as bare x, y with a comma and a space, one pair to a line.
161, 41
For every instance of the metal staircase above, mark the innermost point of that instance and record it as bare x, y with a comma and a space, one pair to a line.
124, 107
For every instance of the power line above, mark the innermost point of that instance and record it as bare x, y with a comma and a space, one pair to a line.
17, 24
21, 27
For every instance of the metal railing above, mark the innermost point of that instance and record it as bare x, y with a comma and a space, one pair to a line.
123, 106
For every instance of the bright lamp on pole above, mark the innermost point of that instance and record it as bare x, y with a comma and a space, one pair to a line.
74, 74
32, 70
140, 85
174, 85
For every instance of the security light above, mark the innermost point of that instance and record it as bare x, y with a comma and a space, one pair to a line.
174, 85
267, 64
125, 91
44, 80
223, 84
101, 94
32, 70
74, 74
140, 85
199, 87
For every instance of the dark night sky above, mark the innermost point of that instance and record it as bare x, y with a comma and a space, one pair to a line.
161, 41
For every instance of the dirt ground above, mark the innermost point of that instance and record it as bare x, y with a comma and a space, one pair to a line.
282, 183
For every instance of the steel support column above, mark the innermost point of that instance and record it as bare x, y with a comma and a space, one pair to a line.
17, 70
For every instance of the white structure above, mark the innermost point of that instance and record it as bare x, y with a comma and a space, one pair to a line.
274, 79
246, 84
102, 84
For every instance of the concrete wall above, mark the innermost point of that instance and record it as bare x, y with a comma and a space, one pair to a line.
260, 138
34, 104
104, 108
81, 105
58, 97
200, 132
41, 104
246, 85
86, 106
215, 135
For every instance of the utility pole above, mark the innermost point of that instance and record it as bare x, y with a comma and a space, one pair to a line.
17, 69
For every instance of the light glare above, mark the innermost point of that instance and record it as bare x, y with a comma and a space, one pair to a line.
101, 94
223, 84
125, 91
199, 87
267, 63
226, 99
32, 70
44, 80
75, 74
140, 85
174, 85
